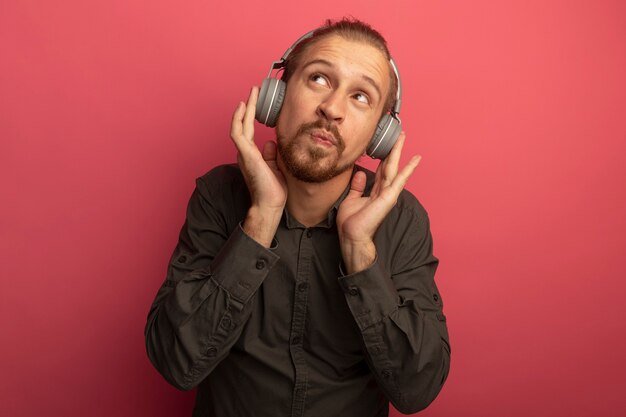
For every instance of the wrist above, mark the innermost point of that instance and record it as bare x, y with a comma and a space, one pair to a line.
358, 256
261, 224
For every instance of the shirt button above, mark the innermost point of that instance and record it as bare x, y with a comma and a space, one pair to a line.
226, 323
299, 392
435, 297
353, 291
182, 259
295, 340
386, 374
211, 351
302, 286
260, 264
309, 233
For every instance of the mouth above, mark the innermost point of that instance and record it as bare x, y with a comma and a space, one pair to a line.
323, 137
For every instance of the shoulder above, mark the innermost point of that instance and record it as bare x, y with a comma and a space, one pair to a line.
223, 190
221, 175
221, 181
410, 205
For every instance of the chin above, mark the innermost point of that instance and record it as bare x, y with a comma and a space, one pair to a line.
315, 170
310, 162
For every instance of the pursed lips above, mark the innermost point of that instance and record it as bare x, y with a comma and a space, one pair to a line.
324, 135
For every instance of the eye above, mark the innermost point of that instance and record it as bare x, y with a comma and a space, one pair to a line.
319, 79
362, 98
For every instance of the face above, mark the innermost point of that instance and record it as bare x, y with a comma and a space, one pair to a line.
332, 105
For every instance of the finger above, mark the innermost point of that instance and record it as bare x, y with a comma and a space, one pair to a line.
357, 185
378, 179
248, 119
236, 126
393, 160
401, 179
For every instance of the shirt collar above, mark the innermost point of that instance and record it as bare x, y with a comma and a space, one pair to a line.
292, 223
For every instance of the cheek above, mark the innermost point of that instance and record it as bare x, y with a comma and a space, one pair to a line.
356, 145
291, 114
363, 133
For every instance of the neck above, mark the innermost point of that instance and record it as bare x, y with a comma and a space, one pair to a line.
309, 203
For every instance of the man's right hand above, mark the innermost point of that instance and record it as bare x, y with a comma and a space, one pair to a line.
267, 186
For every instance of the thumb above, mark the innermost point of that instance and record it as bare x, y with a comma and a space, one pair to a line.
357, 185
269, 151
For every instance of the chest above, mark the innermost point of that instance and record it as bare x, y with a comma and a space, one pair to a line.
300, 303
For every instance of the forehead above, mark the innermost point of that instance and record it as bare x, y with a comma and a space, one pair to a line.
351, 58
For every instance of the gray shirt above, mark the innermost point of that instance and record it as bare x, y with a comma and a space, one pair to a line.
282, 331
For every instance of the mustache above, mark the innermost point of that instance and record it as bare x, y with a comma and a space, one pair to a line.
321, 124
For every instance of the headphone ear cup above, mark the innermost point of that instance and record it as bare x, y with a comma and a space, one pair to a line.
386, 135
270, 101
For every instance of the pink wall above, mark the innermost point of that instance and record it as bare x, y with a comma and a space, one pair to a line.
110, 109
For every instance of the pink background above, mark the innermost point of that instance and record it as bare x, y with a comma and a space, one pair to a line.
110, 109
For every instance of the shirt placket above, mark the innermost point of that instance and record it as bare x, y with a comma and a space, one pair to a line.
304, 272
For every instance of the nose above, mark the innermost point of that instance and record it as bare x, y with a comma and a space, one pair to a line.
332, 108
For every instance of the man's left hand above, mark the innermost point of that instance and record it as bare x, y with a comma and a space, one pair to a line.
359, 217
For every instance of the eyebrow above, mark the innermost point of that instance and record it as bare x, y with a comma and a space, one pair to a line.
365, 78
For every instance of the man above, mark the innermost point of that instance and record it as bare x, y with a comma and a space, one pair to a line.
302, 285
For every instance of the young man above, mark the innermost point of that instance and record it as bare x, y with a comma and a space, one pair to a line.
303, 285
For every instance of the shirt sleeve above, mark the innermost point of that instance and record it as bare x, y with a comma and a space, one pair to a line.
200, 309
399, 312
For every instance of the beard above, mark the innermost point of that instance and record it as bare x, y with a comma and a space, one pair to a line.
308, 162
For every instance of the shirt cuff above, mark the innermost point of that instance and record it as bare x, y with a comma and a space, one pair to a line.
370, 294
241, 265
